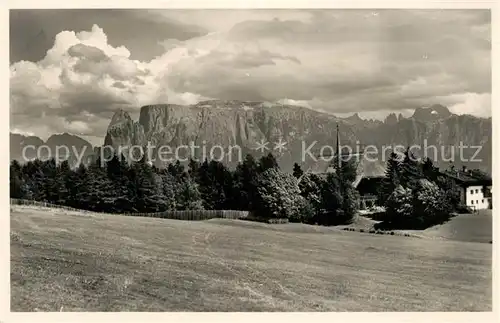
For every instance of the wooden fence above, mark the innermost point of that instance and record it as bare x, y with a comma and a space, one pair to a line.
190, 215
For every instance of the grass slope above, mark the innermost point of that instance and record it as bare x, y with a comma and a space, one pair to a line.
71, 262
476, 227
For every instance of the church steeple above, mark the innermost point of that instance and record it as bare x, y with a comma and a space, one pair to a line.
339, 161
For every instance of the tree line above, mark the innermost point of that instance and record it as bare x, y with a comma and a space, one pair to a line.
415, 194
256, 185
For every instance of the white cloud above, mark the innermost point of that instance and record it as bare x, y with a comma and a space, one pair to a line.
83, 78
478, 104
336, 62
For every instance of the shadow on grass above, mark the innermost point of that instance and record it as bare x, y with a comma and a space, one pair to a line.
418, 223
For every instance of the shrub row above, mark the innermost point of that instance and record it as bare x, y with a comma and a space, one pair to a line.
392, 233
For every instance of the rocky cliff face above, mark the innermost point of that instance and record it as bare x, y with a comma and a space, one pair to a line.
221, 124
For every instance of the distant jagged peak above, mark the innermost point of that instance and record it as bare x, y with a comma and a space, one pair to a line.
433, 112
355, 117
120, 116
391, 119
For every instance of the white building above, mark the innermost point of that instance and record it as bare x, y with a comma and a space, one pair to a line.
475, 190
474, 197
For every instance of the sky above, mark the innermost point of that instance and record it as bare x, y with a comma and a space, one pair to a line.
70, 70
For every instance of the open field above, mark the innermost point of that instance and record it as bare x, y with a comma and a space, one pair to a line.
74, 262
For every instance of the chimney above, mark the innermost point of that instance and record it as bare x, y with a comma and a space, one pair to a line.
464, 169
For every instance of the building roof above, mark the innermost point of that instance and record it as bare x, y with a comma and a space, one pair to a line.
365, 167
466, 177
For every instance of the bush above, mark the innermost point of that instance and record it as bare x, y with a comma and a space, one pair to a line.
399, 207
431, 205
278, 195
305, 213
418, 208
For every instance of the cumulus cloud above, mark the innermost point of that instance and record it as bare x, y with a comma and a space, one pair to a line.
82, 80
478, 104
372, 62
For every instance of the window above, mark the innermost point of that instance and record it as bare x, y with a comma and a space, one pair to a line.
482, 201
477, 191
477, 202
472, 202
472, 191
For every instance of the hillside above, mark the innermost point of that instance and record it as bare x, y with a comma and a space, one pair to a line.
76, 147
75, 262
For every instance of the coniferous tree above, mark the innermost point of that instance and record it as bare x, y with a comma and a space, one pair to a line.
117, 170
297, 170
49, 169
59, 190
346, 176
34, 180
75, 184
188, 196
429, 170
170, 190
193, 168
411, 170
146, 189
95, 193
267, 162
331, 201
215, 185
245, 177
16, 180
391, 179
176, 169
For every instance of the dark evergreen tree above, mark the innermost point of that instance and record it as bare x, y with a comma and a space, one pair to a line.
146, 188
245, 177
117, 170
429, 170
16, 180
170, 189
346, 176
188, 196
176, 169
331, 201
34, 181
392, 178
95, 193
411, 170
297, 170
59, 191
49, 169
193, 168
267, 162
75, 183
215, 185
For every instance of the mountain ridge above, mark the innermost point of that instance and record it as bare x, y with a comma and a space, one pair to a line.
242, 123
246, 124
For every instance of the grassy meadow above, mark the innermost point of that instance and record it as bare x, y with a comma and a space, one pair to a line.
70, 261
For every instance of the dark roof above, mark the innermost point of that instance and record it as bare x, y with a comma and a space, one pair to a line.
469, 177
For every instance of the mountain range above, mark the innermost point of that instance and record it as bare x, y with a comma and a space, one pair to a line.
220, 124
